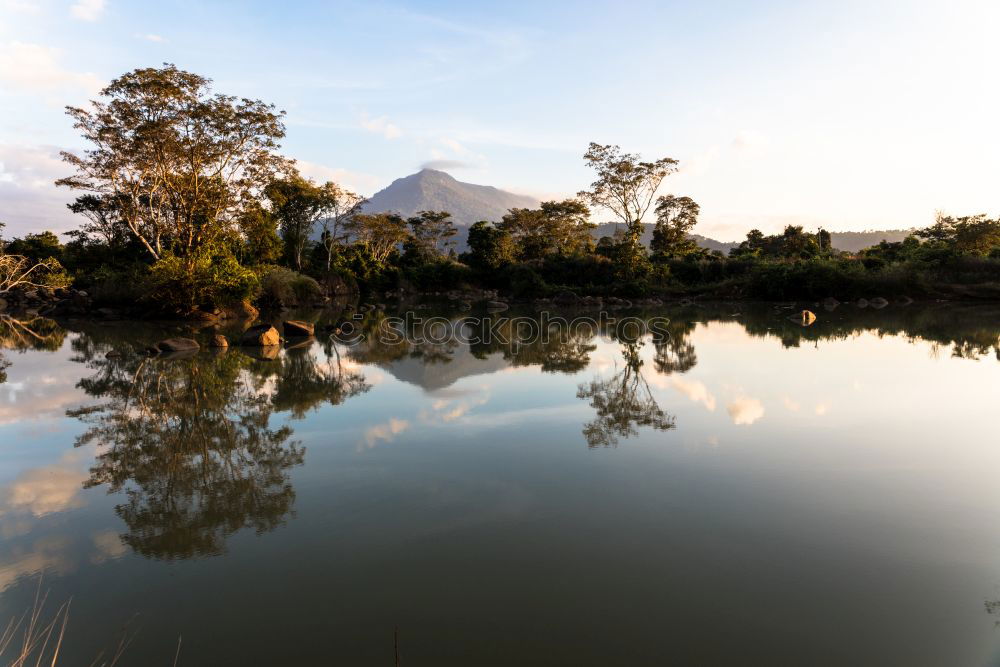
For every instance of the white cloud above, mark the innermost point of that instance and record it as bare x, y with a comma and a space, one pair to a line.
87, 10
31, 201
384, 432
34, 68
745, 411
20, 6
150, 37
45, 490
695, 391
359, 182
380, 125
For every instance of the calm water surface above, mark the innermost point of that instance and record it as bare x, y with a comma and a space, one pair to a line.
741, 491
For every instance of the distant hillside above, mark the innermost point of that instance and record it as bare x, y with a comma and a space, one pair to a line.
855, 241
431, 190
609, 229
846, 241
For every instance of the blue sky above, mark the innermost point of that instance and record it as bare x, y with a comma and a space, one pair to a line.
851, 115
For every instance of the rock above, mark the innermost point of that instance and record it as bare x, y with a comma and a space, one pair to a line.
198, 315
241, 311
862, 303
496, 306
180, 354
266, 353
879, 302
298, 329
805, 318
262, 335
904, 300
177, 345
113, 354
218, 340
830, 302
565, 297
301, 344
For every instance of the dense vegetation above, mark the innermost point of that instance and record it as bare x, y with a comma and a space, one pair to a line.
187, 207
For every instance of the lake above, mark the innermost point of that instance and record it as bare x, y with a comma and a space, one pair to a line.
730, 487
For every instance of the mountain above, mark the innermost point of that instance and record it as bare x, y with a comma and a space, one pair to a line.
855, 241
432, 190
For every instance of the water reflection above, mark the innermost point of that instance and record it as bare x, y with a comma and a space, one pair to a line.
623, 402
449, 460
190, 444
195, 449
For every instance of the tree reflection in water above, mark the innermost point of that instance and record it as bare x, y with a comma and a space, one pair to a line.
623, 403
190, 443
27, 332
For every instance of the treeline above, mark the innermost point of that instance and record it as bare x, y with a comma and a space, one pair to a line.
187, 206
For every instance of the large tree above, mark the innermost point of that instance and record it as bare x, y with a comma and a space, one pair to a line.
490, 247
625, 184
297, 204
675, 218
342, 205
378, 233
556, 227
180, 163
433, 232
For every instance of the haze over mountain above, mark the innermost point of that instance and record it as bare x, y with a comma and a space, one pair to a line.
432, 190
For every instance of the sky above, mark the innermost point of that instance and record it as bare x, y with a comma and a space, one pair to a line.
849, 115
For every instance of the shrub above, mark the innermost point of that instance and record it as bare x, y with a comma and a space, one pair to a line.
183, 284
281, 287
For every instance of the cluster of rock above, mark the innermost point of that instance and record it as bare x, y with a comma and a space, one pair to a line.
259, 336
48, 301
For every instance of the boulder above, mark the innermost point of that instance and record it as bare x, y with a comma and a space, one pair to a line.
565, 297
240, 311
862, 303
177, 345
266, 353
879, 302
298, 329
262, 335
805, 318
218, 340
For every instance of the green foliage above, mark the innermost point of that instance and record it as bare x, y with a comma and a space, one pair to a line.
675, 218
490, 248
793, 243
182, 284
526, 283
283, 287
36, 247
556, 227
